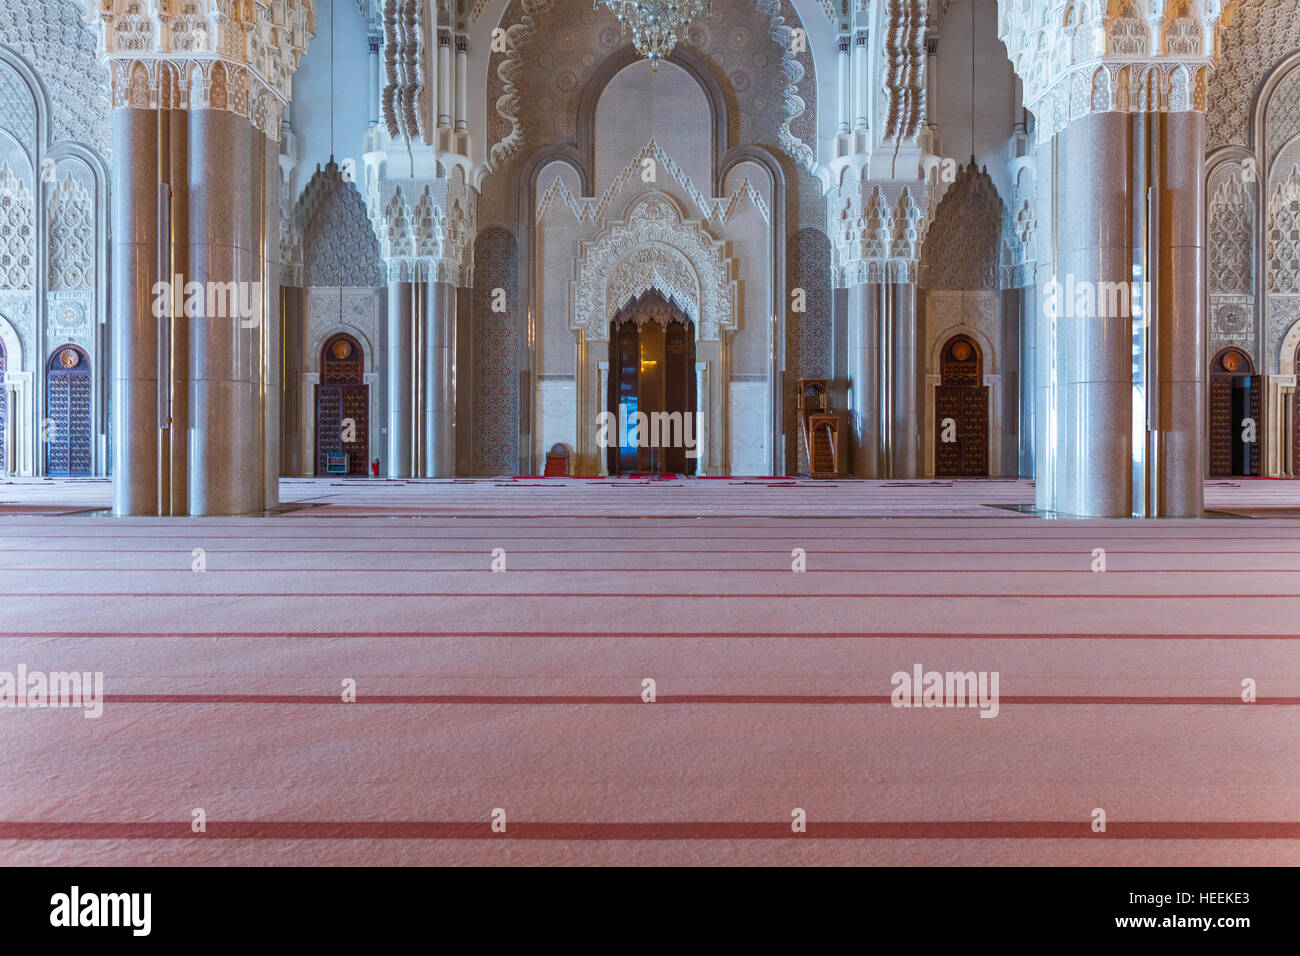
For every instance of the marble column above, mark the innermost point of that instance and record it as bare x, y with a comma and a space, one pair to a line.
864, 379
272, 328
1097, 454
903, 440
222, 405
134, 327
400, 404
440, 381
294, 324
1181, 315
177, 471
1028, 379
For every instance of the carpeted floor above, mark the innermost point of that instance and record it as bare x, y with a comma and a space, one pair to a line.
522, 690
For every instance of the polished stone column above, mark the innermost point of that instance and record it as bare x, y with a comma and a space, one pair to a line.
1097, 454
134, 327
1028, 379
293, 310
903, 440
400, 405
864, 379
1181, 315
272, 384
224, 416
440, 381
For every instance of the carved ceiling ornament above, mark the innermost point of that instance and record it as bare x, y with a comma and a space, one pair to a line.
515, 77
234, 55
1076, 57
653, 248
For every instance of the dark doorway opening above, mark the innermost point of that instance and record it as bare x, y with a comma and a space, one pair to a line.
1236, 396
961, 412
66, 432
342, 409
652, 372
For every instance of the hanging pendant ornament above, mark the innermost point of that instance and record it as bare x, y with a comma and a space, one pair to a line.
656, 26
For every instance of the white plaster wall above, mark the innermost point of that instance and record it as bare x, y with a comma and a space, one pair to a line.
313, 100
750, 428
639, 105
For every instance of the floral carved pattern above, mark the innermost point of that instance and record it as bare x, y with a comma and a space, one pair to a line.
72, 230
1232, 223
17, 232
495, 402
654, 223
1284, 236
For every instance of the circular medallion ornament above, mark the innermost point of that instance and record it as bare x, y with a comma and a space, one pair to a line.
69, 358
961, 351
1232, 361
1232, 319
739, 81
341, 350
566, 82
545, 60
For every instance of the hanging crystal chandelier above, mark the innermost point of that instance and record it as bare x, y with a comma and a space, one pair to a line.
656, 26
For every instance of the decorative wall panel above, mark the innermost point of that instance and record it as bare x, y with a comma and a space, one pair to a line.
808, 333
495, 413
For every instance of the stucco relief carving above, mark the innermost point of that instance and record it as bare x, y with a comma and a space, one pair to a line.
653, 240
1232, 228
70, 316
594, 210
1284, 236
17, 232
71, 222
1140, 55
18, 309
54, 37
903, 83
518, 77
654, 267
876, 231
1262, 34
205, 54
962, 250
338, 246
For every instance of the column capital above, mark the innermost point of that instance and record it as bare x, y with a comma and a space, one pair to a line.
213, 54
1144, 56
876, 230
426, 229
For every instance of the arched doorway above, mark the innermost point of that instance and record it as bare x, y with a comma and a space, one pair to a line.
961, 412
652, 374
342, 409
66, 433
1235, 409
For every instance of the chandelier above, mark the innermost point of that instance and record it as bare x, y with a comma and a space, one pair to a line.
656, 26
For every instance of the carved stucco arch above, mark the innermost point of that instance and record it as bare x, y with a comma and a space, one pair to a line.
1290, 342
656, 228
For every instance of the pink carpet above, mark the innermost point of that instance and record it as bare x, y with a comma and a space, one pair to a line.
522, 690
